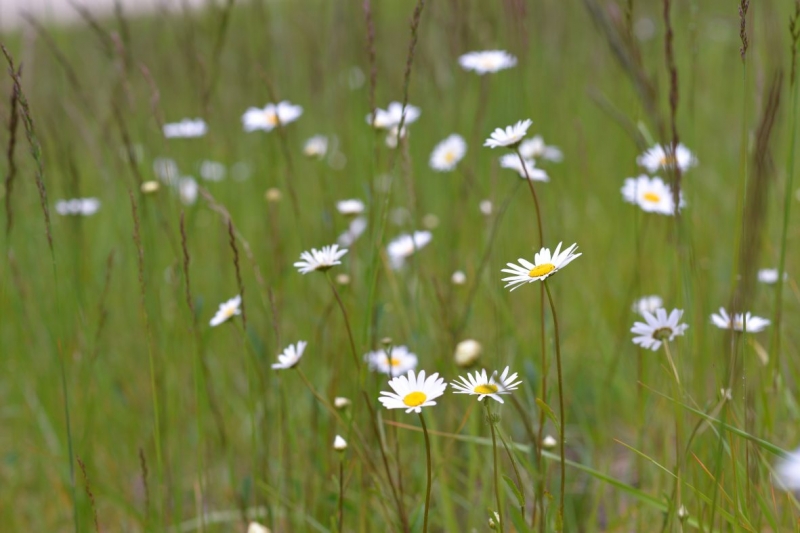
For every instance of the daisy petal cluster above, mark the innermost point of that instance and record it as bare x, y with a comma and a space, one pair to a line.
770, 276
405, 245
448, 153
544, 265
657, 328
535, 147
227, 310
398, 361
660, 157
290, 356
739, 321
481, 385
350, 207
511, 161
413, 392
650, 194
321, 260
78, 206
185, 129
647, 304
487, 61
391, 117
316, 146
354, 231
509, 137
271, 116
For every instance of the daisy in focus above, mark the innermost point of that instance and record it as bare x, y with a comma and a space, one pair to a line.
448, 153
647, 304
739, 321
481, 385
657, 328
651, 194
185, 129
316, 146
271, 116
511, 161
536, 148
405, 245
413, 392
487, 61
290, 356
227, 310
397, 362
659, 157
510, 137
544, 265
321, 260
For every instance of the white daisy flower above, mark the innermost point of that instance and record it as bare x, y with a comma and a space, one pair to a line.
392, 116
481, 385
321, 260
291, 356
398, 362
316, 146
270, 116
770, 276
511, 161
487, 61
659, 157
738, 322
544, 265
647, 303
212, 171
549, 441
227, 310
392, 137
458, 278
536, 148
658, 328
350, 207
486, 207
787, 471
467, 353
448, 153
78, 206
651, 194
405, 245
187, 190
339, 444
185, 129
413, 392
509, 137
354, 231
255, 527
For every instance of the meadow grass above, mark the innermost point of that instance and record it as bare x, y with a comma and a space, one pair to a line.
120, 406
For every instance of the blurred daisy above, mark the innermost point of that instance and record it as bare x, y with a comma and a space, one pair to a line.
448, 153
738, 322
467, 353
321, 260
392, 136
512, 162
187, 190
340, 402
339, 444
350, 207
651, 194
544, 265
486, 207
458, 278
78, 206
659, 157
316, 146
658, 328
482, 386
487, 61
536, 148
255, 527
405, 245
647, 304
227, 310
510, 136
150, 187
271, 116
398, 362
185, 129
770, 276
392, 116
291, 356
787, 471
354, 231
413, 392
212, 171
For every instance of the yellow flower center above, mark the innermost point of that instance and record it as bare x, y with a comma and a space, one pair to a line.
449, 157
668, 160
488, 388
541, 270
272, 119
228, 312
395, 361
415, 399
652, 197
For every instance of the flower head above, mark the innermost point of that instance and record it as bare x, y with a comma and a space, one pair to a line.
255, 527
291, 356
354, 231
398, 361
544, 265
659, 157
227, 310
467, 353
405, 245
339, 444
187, 190
536, 148
511, 161
321, 260
350, 207
770, 276
647, 303
787, 471
316, 146
185, 129
392, 116
78, 206
481, 385
510, 137
487, 61
271, 116
448, 153
413, 392
658, 328
340, 402
651, 194
458, 278
738, 322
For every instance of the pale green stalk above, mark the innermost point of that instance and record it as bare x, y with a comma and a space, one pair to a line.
490, 419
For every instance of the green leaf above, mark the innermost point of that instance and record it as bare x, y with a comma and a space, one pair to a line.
517, 492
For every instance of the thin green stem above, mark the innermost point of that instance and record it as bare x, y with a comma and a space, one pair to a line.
428, 459
672, 363
341, 495
346, 322
560, 401
516, 471
496, 470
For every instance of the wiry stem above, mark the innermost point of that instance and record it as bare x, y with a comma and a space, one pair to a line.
496, 472
428, 460
560, 402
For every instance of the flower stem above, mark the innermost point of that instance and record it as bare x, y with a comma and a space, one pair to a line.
346, 322
560, 402
535, 197
496, 474
341, 495
672, 363
428, 457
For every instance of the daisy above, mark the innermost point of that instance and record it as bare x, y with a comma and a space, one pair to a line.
467, 353
78, 206
321, 260
291, 356
544, 265
350, 207
487, 61
185, 129
316, 146
398, 362
660, 157
271, 116
535, 147
255, 527
658, 328
738, 322
405, 245
393, 115
510, 137
394, 135
770, 276
651, 194
412, 393
448, 153
648, 304
354, 231
512, 162
482, 386
787, 471
458, 278
339, 444
187, 190
227, 310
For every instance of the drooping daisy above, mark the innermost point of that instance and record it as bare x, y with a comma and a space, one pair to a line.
354, 231
509, 137
770, 276
405, 245
738, 322
392, 116
316, 146
350, 207
185, 129
659, 157
651, 194
413, 392
512, 162
481, 385
271, 116
398, 362
544, 265
227, 310
291, 356
647, 303
321, 260
487, 61
536, 148
448, 153
658, 328
78, 206
787, 471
